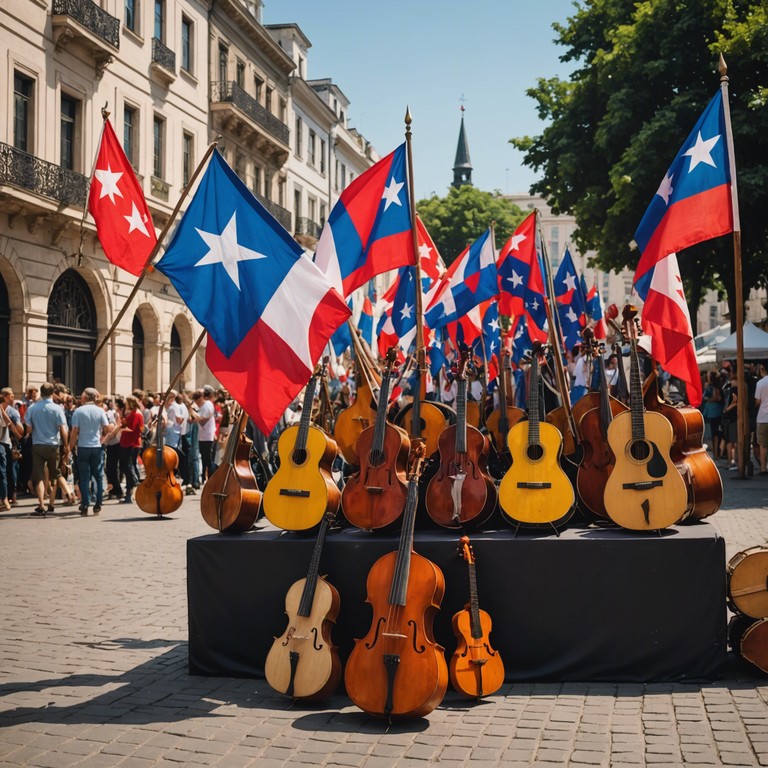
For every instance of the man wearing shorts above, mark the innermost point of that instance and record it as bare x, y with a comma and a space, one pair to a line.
49, 429
761, 401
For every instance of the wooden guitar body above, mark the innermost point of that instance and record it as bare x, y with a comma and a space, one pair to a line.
433, 421
536, 490
303, 662
302, 490
374, 497
159, 493
461, 493
352, 421
475, 670
400, 643
492, 424
645, 491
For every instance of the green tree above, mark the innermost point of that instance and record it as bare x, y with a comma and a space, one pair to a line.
644, 73
463, 215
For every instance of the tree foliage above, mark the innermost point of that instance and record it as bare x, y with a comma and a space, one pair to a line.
644, 73
463, 215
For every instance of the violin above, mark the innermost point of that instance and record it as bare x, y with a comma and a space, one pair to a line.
461, 493
476, 670
645, 491
231, 496
375, 495
303, 491
698, 469
598, 460
535, 490
398, 669
501, 419
303, 662
159, 493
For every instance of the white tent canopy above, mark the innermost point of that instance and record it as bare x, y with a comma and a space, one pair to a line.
755, 344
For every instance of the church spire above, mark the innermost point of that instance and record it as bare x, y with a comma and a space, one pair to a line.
462, 166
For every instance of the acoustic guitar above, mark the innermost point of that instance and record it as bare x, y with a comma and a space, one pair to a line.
303, 662
535, 491
645, 491
303, 491
476, 670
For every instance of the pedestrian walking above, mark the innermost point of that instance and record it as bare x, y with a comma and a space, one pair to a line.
89, 428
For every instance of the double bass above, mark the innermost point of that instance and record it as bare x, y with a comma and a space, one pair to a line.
231, 497
398, 669
302, 490
375, 495
159, 493
461, 493
476, 669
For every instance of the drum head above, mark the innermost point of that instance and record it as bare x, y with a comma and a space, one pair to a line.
748, 582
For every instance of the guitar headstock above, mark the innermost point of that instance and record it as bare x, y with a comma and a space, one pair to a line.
390, 359
461, 367
417, 458
631, 322
466, 551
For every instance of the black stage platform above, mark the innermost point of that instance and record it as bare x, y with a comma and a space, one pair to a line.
589, 605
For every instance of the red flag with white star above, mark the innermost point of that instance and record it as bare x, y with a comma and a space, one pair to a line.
117, 204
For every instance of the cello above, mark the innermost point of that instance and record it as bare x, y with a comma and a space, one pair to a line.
461, 493
398, 669
231, 497
374, 496
303, 662
302, 490
476, 670
159, 493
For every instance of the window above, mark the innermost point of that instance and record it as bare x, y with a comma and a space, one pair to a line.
130, 131
312, 209
296, 208
299, 136
322, 156
223, 57
343, 176
268, 99
554, 242
281, 193
239, 164
337, 176
258, 88
69, 110
158, 160
240, 73
187, 150
160, 20
23, 90
322, 214
129, 19
311, 148
713, 316
186, 44
256, 180
283, 110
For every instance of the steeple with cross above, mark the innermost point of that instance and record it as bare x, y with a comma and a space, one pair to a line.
462, 166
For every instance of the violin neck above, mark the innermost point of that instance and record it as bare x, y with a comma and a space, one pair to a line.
416, 407
377, 445
399, 588
310, 585
474, 605
461, 416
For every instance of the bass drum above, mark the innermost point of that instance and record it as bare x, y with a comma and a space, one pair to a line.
750, 642
747, 579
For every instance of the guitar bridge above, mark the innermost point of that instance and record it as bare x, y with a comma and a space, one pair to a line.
373, 489
296, 492
642, 485
534, 486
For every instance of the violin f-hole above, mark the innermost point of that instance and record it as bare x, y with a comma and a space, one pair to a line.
417, 649
376, 635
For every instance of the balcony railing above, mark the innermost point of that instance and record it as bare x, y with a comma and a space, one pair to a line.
230, 91
29, 172
305, 226
90, 16
163, 55
280, 213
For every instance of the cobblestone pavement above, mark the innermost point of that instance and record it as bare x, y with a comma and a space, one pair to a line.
93, 672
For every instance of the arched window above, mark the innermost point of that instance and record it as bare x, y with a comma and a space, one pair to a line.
175, 356
137, 373
5, 320
71, 333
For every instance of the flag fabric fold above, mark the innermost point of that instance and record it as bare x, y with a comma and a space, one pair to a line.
269, 311
571, 303
116, 202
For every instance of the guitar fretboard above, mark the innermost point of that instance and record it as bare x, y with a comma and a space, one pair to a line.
636, 395
461, 416
533, 403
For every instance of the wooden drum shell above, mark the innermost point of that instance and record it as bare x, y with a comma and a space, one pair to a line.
747, 582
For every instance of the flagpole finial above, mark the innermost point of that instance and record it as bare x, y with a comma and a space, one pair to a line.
722, 68
104, 113
408, 118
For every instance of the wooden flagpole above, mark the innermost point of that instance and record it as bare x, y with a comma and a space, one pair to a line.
148, 264
742, 404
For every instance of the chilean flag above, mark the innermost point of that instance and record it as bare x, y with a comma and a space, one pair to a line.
369, 229
269, 311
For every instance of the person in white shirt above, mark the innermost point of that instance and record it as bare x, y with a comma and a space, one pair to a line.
579, 388
206, 420
761, 401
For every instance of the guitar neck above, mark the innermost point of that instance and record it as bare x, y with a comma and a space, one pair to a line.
461, 417
306, 415
636, 395
474, 606
310, 585
533, 403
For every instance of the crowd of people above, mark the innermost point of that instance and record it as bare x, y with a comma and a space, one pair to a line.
80, 449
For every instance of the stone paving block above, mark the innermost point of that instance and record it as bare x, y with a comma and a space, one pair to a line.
580, 757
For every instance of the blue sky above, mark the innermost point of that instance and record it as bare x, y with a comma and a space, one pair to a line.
427, 54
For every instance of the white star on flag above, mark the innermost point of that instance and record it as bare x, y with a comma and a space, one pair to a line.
572, 316
534, 305
515, 279
405, 312
700, 151
516, 240
108, 182
136, 221
225, 250
665, 188
494, 324
570, 282
424, 251
391, 192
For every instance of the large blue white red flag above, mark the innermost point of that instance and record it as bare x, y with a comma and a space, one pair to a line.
404, 308
469, 280
693, 201
571, 302
521, 340
490, 336
521, 283
430, 261
269, 311
369, 229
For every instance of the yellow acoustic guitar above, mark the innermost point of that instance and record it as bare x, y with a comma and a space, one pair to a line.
645, 492
302, 491
535, 490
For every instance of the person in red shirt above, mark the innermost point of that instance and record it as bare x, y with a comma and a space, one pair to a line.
131, 427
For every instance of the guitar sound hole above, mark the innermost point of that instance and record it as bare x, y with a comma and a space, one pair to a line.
535, 452
640, 450
299, 456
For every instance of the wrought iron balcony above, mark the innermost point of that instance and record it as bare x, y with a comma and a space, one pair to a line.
280, 213
19, 169
90, 17
230, 92
305, 226
163, 60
